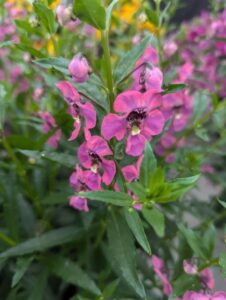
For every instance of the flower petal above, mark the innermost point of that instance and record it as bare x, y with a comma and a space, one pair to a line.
135, 145
79, 203
83, 155
87, 110
92, 180
99, 146
109, 171
69, 92
75, 132
113, 126
153, 124
127, 101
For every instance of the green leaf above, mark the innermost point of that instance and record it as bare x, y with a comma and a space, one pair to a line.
156, 219
223, 203
193, 241
63, 159
184, 283
22, 266
136, 226
122, 252
39, 287
127, 62
58, 63
222, 263
6, 44
172, 88
202, 133
109, 13
110, 197
47, 240
138, 189
148, 165
71, 273
46, 16
91, 12
110, 289
31, 50
209, 240
201, 102
152, 16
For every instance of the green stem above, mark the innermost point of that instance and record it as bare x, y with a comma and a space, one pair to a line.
108, 67
159, 43
23, 176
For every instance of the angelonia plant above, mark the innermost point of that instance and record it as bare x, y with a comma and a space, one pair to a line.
110, 120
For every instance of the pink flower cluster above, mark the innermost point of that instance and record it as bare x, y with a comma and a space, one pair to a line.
206, 279
136, 118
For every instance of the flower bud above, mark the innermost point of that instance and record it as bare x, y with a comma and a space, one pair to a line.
63, 14
79, 68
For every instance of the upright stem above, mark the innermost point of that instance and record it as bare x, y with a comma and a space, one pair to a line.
23, 176
108, 67
158, 13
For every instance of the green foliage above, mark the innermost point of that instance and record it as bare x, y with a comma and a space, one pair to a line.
91, 12
122, 252
46, 17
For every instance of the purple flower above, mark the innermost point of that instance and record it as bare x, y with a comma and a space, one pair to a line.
91, 155
139, 116
158, 265
77, 109
79, 68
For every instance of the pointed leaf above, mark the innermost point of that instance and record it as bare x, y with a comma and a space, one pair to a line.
47, 240
156, 219
136, 226
22, 266
148, 165
91, 12
122, 252
71, 273
110, 197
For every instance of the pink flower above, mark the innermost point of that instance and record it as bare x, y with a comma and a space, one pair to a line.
178, 107
37, 93
49, 121
207, 278
131, 172
79, 68
170, 48
139, 117
63, 14
54, 139
196, 296
77, 109
84, 180
219, 296
49, 124
92, 155
147, 78
79, 203
158, 265
189, 267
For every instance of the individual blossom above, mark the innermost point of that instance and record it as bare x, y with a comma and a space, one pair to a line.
54, 139
158, 265
77, 109
79, 68
92, 155
140, 117
80, 181
49, 124
206, 275
207, 278
177, 107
